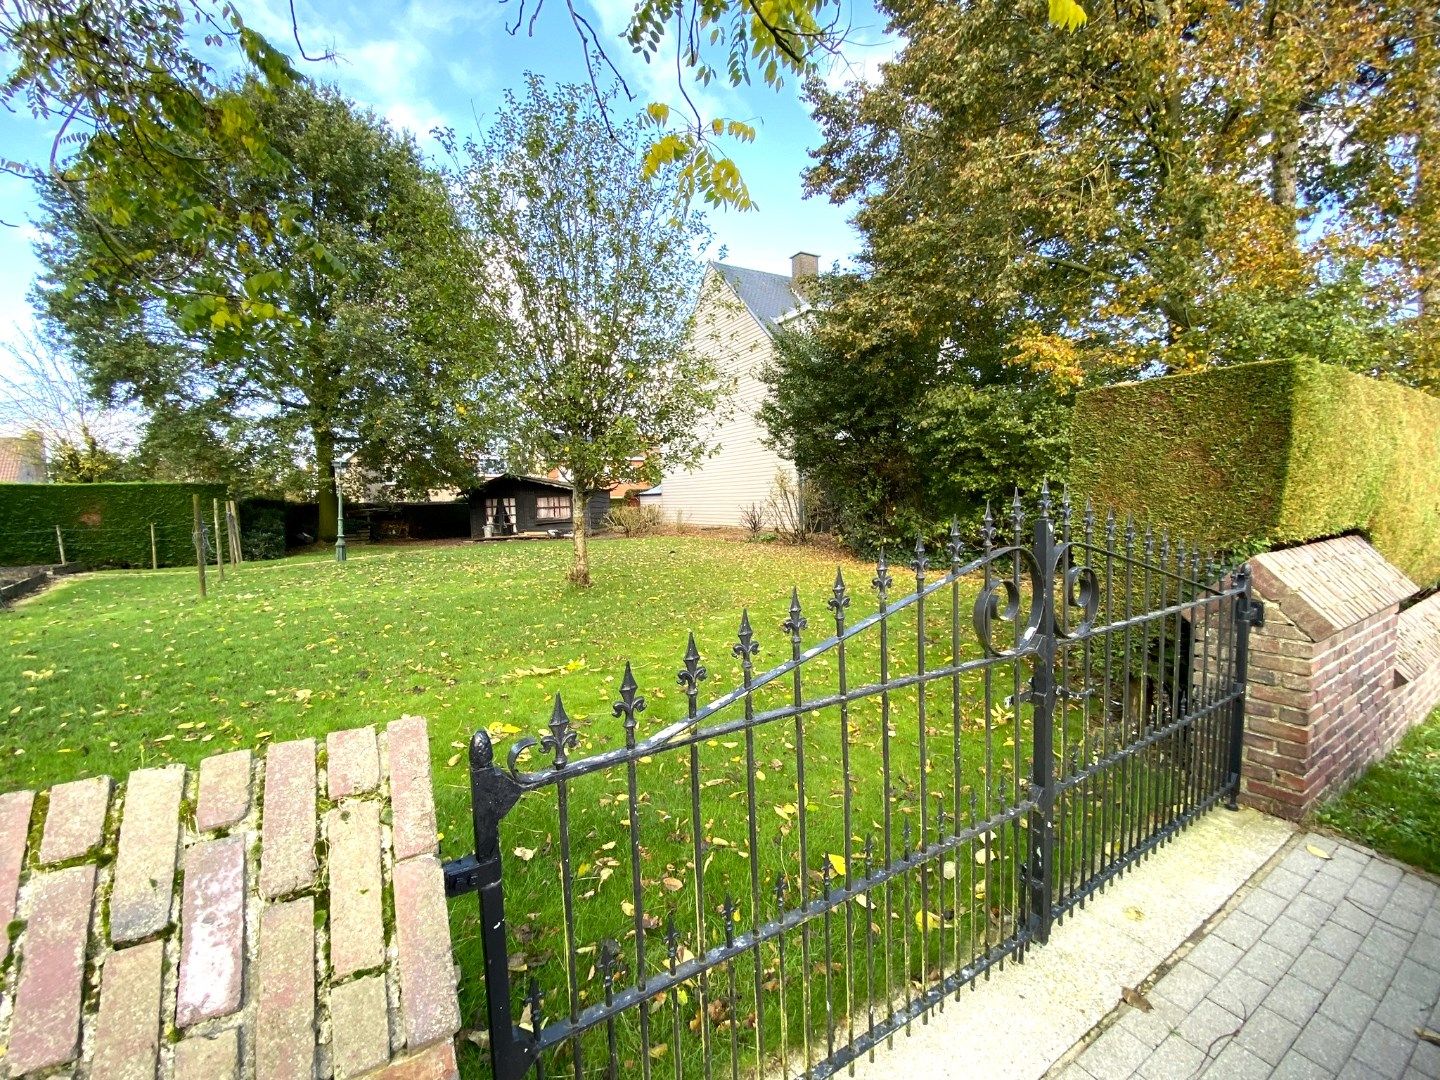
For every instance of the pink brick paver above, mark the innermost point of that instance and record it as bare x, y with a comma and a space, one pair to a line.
127, 1031
436, 1063
224, 791
411, 798
145, 864
212, 932
75, 822
352, 762
214, 1058
14, 830
357, 930
45, 1028
360, 1026
287, 845
428, 1005
285, 1021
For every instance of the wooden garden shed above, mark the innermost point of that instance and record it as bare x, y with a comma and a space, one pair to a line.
530, 506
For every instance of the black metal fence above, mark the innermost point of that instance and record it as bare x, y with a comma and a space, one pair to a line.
816, 859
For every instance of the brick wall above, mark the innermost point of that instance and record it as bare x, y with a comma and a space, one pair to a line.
187, 923
1324, 699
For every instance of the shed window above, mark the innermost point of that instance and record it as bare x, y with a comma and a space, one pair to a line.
552, 507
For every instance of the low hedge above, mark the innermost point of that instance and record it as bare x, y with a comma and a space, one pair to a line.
104, 525
1277, 452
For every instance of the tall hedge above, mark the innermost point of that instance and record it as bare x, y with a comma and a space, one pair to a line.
1277, 452
103, 524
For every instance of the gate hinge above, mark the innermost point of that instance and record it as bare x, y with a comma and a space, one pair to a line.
462, 876
1255, 612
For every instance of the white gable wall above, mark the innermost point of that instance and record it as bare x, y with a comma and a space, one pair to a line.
742, 471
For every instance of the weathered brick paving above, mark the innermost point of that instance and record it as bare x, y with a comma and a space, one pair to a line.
182, 924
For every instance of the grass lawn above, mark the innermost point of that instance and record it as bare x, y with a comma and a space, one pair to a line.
113, 671
1395, 806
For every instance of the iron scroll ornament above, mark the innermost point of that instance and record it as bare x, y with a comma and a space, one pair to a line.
999, 601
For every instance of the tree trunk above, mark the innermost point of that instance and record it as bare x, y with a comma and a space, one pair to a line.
580, 568
325, 475
1427, 176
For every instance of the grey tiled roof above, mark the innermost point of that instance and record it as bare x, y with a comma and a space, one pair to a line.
767, 296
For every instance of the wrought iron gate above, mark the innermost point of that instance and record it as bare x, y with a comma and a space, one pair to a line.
782, 879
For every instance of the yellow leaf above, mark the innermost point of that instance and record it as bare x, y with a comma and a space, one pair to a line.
658, 1050
1067, 14
837, 863
1134, 913
1318, 852
947, 869
524, 854
980, 890
928, 918
982, 856
862, 900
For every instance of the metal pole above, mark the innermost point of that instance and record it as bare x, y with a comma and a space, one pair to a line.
339, 518
1042, 764
1246, 611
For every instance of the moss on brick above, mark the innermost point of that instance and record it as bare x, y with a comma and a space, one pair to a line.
1259, 454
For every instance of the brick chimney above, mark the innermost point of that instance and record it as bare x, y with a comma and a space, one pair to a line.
803, 265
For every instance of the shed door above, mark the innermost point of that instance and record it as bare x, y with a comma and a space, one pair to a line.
501, 513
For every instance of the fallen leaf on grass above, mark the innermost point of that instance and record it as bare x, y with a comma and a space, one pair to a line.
524, 854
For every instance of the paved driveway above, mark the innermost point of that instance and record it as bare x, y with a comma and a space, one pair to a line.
1325, 967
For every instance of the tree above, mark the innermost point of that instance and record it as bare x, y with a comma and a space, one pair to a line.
1103, 194
593, 273
48, 396
359, 275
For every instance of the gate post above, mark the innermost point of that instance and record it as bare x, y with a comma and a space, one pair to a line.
1248, 612
492, 794
1042, 701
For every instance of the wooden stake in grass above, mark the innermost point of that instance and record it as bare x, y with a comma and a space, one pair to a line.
232, 523
199, 543
219, 547
60, 539
154, 556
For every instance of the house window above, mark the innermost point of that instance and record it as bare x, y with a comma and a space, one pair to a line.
552, 507
501, 514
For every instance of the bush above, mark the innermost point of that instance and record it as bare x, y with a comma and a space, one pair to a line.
1280, 452
104, 525
635, 520
262, 532
752, 520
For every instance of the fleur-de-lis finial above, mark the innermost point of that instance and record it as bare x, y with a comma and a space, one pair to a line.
672, 940
987, 528
974, 806
693, 673
779, 890
883, 580
605, 962
1044, 499
839, 597
629, 705
1129, 531
905, 840
955, 548
537, 1007
1065, 508
827, 871
562, 736
1149, 542
727, 911
869, 852
746, 646
922, 558
796, 622
940, 823
1110, 527
1089, 517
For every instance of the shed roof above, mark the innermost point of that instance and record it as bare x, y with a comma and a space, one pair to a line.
767, 296
1331, 585
1418, 648
543, 481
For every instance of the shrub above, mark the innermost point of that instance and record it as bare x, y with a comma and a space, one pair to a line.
752, 520
795, 507
635, 520
262, 532
103, 525
1279, 452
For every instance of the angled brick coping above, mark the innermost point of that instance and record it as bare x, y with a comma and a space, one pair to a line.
182, 923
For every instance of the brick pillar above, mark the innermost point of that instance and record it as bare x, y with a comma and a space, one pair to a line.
1320, 703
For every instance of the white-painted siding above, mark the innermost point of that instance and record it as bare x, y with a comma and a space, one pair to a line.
742, 471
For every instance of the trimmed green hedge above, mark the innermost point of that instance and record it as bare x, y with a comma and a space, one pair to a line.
1277, 452
103, 524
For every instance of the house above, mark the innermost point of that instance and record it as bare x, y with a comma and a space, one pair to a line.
22, 459
741, 312
514, 505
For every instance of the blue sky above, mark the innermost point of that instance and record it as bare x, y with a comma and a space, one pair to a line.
445, 62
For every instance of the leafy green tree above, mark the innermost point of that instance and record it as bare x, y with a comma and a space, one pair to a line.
358, 270
88, 463
594, 278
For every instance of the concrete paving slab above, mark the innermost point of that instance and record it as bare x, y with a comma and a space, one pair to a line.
1063, 989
